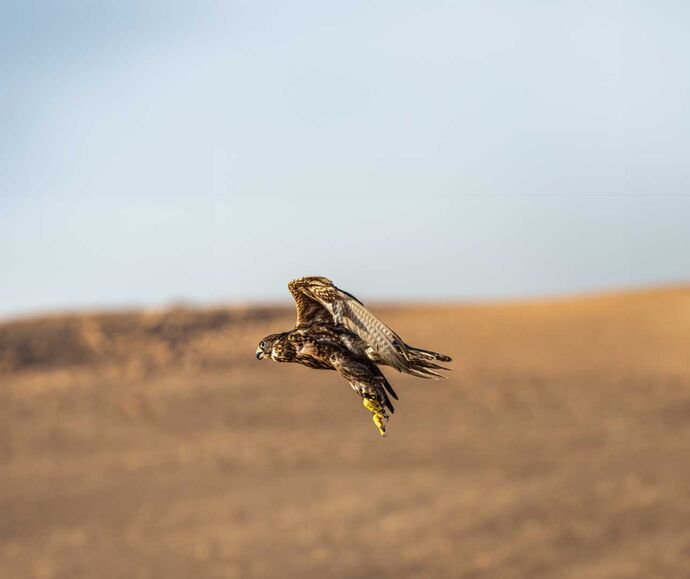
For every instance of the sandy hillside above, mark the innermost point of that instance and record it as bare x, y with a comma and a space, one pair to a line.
148, 445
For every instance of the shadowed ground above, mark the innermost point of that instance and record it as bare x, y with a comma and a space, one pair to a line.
155, 445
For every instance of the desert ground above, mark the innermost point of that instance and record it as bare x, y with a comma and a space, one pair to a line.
153, 444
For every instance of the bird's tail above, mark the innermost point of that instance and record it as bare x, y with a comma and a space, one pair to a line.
422, 363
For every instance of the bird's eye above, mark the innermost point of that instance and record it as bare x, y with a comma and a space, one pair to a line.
262, 344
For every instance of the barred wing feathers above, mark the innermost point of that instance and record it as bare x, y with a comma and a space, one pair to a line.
309, 309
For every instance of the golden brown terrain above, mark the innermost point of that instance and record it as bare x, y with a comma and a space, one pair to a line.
150, 445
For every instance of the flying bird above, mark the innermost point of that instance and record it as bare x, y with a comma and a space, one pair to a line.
334, 331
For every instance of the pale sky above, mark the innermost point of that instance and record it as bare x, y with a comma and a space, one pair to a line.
197, 151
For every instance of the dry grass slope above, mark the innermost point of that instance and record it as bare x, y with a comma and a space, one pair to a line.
155, 445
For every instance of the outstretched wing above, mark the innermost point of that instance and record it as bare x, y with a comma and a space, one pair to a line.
309, 309
318, 299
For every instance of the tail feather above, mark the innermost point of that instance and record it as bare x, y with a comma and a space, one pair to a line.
422, 366
428, 354
418, 362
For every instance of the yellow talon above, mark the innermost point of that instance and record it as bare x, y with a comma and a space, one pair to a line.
378, 420
378, 414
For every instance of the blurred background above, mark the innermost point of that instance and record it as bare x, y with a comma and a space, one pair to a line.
504, 182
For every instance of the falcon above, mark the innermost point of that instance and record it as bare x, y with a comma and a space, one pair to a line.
334, 331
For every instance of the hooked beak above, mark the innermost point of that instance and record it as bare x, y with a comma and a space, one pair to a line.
259, 354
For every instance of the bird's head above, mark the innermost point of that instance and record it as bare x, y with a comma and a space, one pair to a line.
265, 348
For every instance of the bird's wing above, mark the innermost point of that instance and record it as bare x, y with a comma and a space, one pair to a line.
315, 296
309, 309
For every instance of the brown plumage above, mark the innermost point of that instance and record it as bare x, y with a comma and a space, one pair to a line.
334, 331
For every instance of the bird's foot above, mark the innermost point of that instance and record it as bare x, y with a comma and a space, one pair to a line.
378, 414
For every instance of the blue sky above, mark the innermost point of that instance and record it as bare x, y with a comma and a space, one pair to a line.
209, 151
